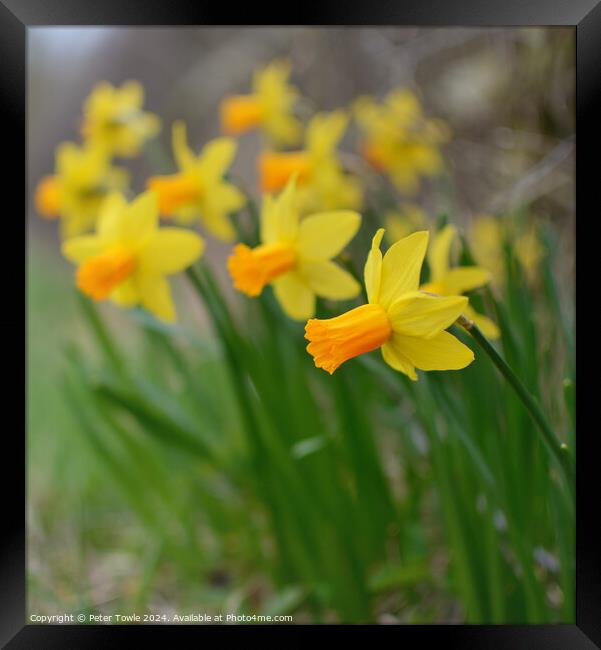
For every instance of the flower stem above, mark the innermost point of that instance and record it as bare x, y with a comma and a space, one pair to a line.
101, 333
558, 449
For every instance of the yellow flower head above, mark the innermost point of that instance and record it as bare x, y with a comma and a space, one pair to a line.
399, 140
400, 223
296, 257
268, 107
83, 177
407, 324
322, 182
198, 190
445, 281
128, 257
114, 119
529, 251
486, 239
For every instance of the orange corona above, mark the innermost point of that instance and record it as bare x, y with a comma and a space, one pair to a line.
276, 169
47, 197
240, 113
252, 268
174, 191
98, 276
336, 340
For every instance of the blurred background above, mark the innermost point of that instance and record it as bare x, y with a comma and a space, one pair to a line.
508, 97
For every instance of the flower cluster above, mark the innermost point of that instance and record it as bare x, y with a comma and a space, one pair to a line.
113, 124
309, 214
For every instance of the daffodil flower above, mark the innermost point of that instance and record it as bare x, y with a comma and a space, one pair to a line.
269, 107
446, 281
198, 190
322, 182
128, 257
486, 239
529, 252
296, 257
407, 324
115, 121
399, 140
83, 178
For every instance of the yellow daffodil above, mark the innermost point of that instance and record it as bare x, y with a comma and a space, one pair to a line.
296, 257
529, 252
407, 324
198, 190
486, 240
83, 177
322, 182
402, 222
399, 140
115, 121
128, 257
269, 107
445, 281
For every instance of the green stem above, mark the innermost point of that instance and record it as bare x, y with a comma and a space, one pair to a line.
101, 332
558, 449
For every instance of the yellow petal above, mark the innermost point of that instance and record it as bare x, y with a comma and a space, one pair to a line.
155, 296
440, 253
218, 224
78, 249
279, 216
372, 272
323, 235
220, 201
417, 314
126, 294
269, 232
170, 250
216, 157
324, 132
401, 267
487, 326
328, 280
181, 151
441, 352
140, 218
110, 216
398, 361
295, 296
465, 278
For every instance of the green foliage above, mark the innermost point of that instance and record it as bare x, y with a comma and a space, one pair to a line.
269, 486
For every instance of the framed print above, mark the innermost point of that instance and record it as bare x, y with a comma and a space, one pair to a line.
300, 323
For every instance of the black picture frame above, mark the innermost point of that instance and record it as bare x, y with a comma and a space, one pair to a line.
16, 16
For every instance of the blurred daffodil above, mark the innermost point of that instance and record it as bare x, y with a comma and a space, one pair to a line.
488, 235
83, 177
399, 140
322, 181
295, 257
402, 222
115, 121
128, 257
268, 107
199, 190
407, 324
486, 241
529, 251
445, 281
